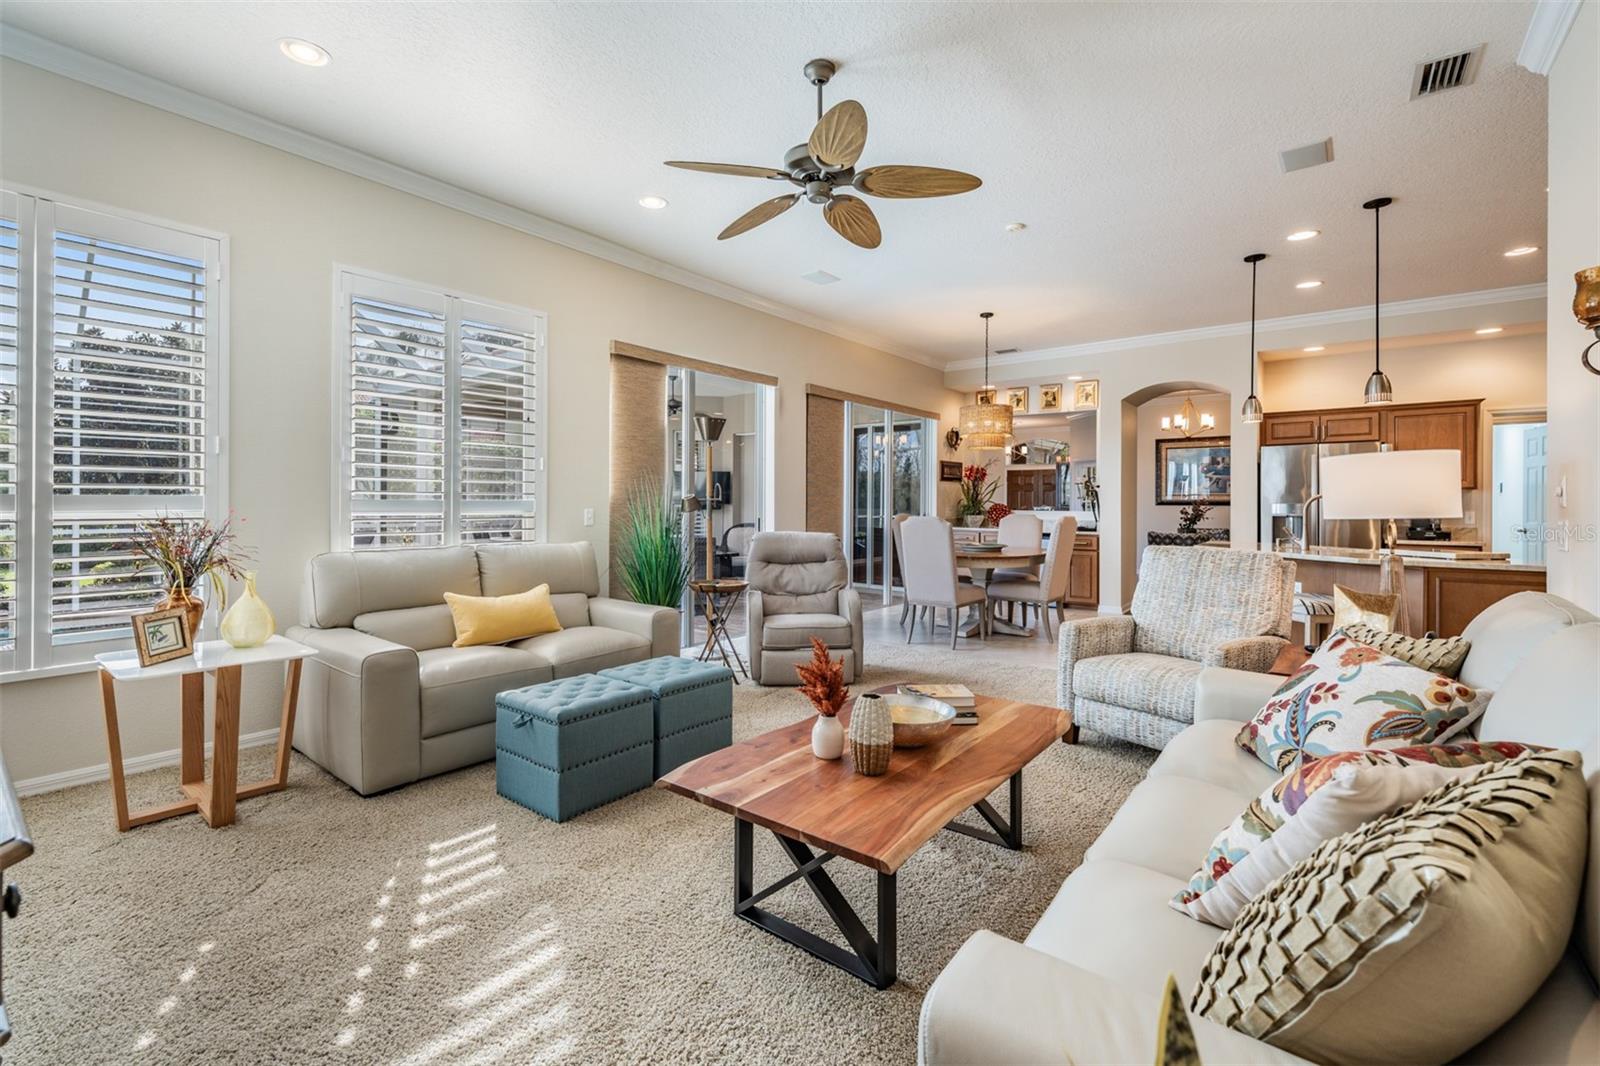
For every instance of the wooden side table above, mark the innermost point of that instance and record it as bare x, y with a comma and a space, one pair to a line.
721, 595
212, 799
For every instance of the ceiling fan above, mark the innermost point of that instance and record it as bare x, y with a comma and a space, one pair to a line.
824, 167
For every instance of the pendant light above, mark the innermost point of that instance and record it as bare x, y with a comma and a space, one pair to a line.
1379, 390
1251, 409
986, 426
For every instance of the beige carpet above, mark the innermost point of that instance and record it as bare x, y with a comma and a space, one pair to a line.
441, 924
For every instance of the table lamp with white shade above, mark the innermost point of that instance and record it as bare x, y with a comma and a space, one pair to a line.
1390, 485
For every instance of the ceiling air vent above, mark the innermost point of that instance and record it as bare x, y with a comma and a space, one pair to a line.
1451, 72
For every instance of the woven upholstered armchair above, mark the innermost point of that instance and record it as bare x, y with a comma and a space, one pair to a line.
1133, 676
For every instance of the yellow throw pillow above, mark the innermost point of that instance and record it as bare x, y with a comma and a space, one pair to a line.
497, 619
1380, 610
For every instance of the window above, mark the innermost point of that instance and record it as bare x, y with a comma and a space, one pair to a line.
111, 365
439, 419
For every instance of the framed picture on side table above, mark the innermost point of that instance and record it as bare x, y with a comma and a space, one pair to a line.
162, 635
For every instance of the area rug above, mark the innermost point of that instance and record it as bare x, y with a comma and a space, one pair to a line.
441, 924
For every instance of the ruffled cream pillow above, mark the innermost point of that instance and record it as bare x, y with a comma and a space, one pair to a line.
1419, 934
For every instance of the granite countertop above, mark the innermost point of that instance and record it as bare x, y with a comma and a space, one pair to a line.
1371, 558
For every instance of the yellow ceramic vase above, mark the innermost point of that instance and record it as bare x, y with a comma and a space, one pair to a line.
249, 621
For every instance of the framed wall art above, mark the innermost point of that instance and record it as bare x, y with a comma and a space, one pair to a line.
1199, 468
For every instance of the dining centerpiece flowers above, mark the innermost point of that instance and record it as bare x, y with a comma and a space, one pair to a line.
188, 553
822, 682
977, 495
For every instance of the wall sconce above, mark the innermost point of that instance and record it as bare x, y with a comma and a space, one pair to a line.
1586, 308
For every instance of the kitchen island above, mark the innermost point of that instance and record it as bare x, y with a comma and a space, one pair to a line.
1443, 594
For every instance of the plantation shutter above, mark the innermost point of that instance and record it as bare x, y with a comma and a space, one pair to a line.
131, 340
498, 449
397, 425
10, 423
441, 435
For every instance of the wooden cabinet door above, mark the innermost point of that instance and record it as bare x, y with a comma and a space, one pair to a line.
1047, 490
1020, 495
1083, 578
1345, 426
1437, 426
1289, 429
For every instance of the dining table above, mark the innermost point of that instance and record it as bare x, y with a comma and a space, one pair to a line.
981, 564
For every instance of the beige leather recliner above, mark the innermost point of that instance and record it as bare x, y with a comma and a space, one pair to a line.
386, 700
799, 589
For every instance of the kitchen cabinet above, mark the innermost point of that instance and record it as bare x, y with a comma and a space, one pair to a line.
1320, 427
1083, 572
1443, 425
1029, 490
1452, 424
1343, 427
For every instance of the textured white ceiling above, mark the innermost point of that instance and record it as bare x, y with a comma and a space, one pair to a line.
1138, 142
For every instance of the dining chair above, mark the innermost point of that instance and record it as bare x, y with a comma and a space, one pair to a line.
929, 552
900, 561
1050, 587
1017, 530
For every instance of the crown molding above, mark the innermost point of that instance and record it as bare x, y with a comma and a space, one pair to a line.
1547, 30
30, 48
1341, 316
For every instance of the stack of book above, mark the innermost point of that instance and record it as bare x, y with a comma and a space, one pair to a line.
958, 696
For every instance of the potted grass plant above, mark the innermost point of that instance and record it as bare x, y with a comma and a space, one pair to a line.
654, 554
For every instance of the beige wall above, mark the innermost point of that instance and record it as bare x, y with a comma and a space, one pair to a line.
1572, 245
289, 221
1506, 373
1164, 519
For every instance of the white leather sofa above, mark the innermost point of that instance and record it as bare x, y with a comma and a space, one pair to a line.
1085, 986
386, 700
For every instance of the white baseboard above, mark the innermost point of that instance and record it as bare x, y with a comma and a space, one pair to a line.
87, 775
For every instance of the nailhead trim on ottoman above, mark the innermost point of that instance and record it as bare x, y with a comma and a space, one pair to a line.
569, 746
693, 706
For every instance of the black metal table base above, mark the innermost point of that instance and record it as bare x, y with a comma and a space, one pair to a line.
869, 957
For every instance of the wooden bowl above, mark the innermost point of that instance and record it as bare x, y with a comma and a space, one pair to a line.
918, 720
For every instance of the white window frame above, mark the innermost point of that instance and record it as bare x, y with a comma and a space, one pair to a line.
34, 654
352, 281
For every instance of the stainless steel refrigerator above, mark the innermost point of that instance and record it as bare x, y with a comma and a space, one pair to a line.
1290, 477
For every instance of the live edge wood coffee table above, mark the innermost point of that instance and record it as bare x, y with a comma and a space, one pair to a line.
775, 782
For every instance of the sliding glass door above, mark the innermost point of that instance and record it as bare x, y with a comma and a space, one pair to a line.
735, 495
887, 459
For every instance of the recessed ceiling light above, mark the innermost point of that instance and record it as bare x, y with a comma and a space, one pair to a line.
1523, 249
654, 203
312, 55
1486, 330
1074, 377
1314, 348
1307, 284
1303, 234
1016, 227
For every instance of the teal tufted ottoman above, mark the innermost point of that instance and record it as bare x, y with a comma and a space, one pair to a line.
569, 746
693, 706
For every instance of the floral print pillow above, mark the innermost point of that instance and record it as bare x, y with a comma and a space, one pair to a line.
1268, 812
1351, 697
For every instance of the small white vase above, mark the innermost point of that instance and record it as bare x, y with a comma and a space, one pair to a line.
827, 738
972, 521
249, 622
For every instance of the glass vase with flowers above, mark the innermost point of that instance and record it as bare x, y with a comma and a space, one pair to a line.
189, 552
